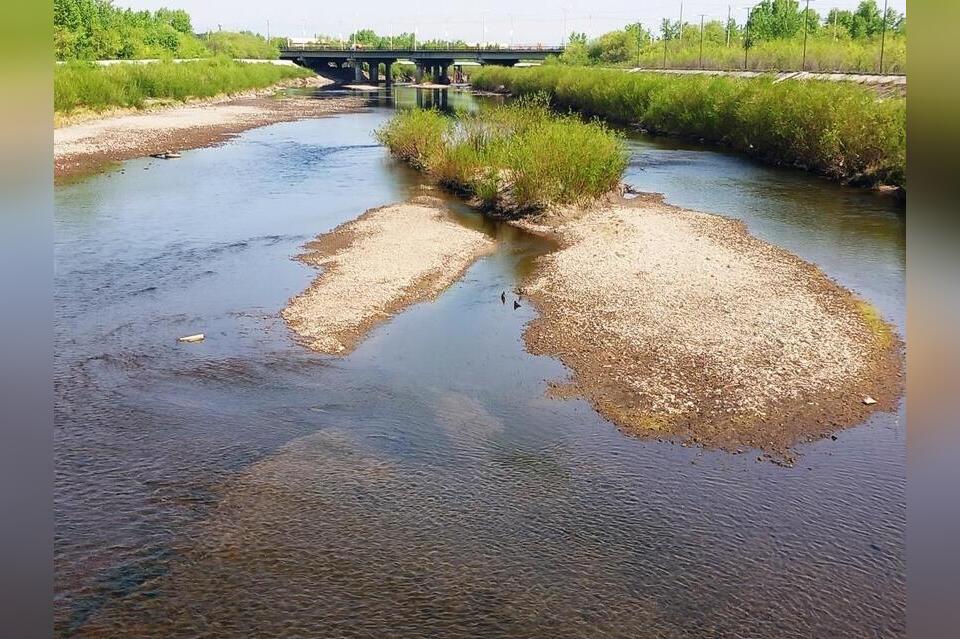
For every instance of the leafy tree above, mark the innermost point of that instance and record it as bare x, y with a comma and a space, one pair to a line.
670, 29
865, 22
575, 52
95, 29
775, 20
617, 47
176, 18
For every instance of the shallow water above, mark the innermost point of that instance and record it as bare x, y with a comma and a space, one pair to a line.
425, 486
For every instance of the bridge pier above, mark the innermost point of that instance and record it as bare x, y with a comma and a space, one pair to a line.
374, 66
387, 73
444, 77
357, 71
419, 73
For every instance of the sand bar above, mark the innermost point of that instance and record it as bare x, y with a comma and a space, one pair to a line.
680, 324
385, 260
86, 145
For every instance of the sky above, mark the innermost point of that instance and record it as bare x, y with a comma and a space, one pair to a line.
505, 21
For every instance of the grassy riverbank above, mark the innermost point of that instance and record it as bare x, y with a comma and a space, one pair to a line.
513, 158
841, 130
79, 85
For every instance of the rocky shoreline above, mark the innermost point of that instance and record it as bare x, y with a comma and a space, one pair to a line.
681, 325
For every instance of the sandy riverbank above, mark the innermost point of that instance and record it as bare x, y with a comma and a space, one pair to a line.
85, 145
385, 260
680, 324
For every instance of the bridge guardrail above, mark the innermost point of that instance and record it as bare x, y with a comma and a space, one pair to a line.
406, 51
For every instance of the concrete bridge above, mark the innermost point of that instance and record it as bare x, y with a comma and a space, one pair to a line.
437, 62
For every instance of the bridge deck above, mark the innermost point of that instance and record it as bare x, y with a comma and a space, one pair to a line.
293, 52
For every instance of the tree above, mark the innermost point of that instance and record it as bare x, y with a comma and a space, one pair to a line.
670, 29
613, 47
865, 22
575, 52
176, 18
775, 20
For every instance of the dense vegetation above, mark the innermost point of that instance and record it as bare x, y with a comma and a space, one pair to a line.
842, 130
86, 85
513, 159
369, 39
96, 30
771, 39
243, 44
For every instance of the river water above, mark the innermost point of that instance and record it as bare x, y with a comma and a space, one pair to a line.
425, 486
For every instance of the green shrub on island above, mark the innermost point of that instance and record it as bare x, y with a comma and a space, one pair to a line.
513, 159
86, 85
839, 129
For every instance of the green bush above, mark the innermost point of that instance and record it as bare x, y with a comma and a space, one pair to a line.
514, 159
87, 85
839, 129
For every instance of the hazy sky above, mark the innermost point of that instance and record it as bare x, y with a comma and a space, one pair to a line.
527, 22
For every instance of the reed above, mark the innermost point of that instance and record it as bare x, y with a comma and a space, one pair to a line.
842, 130
85, 85
513, 159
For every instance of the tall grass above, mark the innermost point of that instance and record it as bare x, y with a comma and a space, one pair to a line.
824, 54
513, 159
84, 85
839, 129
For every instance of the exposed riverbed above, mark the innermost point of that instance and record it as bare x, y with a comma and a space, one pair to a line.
425, 485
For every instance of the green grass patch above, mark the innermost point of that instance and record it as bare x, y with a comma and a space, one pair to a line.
81, 85
839, 129
513, 159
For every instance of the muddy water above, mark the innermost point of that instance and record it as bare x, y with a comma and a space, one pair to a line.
424, 486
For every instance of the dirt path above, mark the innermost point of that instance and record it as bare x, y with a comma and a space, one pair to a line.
86, 146
681, 324
385, 260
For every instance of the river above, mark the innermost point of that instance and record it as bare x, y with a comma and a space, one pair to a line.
425, 486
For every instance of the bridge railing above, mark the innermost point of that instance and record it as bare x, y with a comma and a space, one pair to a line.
297, 47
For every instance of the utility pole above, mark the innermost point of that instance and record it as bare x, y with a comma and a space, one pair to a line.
806, 11
728, 25
268, 30
701, 40
681, 24
665, 43
883, 35
746, 38
639, 27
